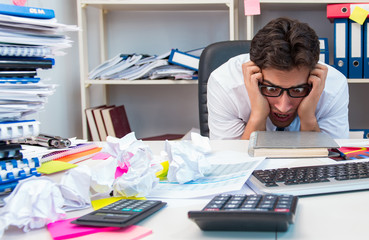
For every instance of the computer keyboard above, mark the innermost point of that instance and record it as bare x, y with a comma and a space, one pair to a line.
311, 180
241, 212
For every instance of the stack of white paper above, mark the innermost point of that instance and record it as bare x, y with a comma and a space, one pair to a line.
28, 44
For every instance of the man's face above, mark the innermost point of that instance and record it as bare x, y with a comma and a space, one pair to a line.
283, 109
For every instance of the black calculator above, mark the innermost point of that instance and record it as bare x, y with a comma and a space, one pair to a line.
238, 212
123, 213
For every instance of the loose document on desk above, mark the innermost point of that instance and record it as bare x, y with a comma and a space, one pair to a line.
229, 172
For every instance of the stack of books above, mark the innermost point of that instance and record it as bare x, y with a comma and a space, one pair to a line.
29, 39
106, 121
112, 121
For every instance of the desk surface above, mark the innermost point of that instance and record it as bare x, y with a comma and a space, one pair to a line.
334, 216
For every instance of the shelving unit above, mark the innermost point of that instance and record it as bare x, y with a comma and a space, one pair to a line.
104, 6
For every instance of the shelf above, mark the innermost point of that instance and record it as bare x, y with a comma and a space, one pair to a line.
163, 5
142, 82
359, 80
311, 1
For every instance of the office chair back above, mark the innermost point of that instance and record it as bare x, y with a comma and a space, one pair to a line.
211, 58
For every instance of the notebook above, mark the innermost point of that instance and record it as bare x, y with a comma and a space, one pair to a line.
284, 144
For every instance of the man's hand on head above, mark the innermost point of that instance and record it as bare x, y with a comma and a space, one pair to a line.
307, 107
259, 105
252, 76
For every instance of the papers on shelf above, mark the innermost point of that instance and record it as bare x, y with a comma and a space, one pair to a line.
128, 67
138, 66
171, 71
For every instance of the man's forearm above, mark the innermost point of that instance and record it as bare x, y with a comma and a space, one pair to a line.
310, 124
252, 126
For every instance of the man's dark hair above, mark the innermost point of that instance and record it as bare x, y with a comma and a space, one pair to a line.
284, 44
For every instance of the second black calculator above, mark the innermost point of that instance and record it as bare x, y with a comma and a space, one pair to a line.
122, 213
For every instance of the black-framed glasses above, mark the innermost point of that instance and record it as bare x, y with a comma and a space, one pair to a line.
276, 91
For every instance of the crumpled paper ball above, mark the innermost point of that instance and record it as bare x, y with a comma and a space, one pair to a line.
187, 159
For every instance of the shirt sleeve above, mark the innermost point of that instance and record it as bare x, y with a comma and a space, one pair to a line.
223, 119
333, 116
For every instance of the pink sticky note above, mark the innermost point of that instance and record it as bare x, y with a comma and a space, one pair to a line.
19, 2
101, 156
129, 233
252, 7
63, 229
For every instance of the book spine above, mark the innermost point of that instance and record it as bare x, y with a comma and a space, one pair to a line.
18, 129
15, 170
24, 80
24, 51
184, 59
252, 143
29, 12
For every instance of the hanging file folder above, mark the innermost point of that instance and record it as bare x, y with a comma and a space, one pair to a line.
355, 60
340, 45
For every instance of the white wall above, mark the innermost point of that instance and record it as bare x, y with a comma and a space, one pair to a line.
156, 110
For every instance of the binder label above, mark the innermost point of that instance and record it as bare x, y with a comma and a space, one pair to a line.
341, 42
36, 11
356, 40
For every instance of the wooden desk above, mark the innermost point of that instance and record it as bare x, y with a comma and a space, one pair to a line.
334, 216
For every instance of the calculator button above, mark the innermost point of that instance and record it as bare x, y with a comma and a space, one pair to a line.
281, 210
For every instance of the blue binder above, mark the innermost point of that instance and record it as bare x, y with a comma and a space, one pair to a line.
340, 56
366, 49
29, 12
324, 50
184, 59
355, 60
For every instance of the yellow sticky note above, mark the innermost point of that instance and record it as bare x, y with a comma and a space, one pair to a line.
54, 166
163, 173
99, 203
359, 15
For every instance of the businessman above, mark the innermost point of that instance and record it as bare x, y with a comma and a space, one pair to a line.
279, 85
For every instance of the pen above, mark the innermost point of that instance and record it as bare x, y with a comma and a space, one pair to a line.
341, 154
46, 141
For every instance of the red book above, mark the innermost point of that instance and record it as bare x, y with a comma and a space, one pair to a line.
116, 121
100, 125
91, 121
